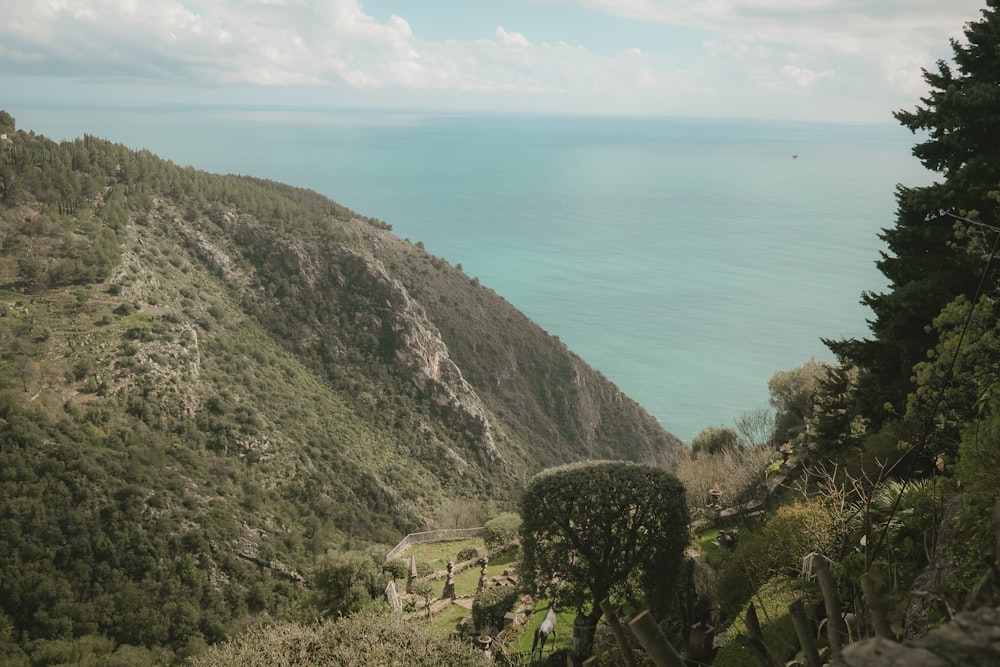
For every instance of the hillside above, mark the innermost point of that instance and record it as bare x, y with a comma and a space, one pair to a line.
206, 381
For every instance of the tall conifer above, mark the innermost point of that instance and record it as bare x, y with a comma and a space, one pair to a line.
934, 251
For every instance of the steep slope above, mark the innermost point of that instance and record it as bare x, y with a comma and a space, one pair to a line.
206, 380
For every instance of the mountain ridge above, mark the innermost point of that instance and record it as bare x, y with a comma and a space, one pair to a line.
209, 380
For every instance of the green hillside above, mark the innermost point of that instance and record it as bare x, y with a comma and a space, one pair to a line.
222, 399
206, 381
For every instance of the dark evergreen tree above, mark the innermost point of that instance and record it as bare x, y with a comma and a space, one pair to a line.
934, 250
837, 420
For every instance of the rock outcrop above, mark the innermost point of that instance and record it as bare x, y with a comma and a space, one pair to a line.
971, 639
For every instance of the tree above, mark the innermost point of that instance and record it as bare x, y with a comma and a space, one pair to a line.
501, 529
933, 255
793, 395
346, 583
955, 383
756, 427
603, 529
714, 440
424, 589
837, 418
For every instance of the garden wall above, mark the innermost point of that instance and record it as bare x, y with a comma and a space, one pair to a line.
446, 535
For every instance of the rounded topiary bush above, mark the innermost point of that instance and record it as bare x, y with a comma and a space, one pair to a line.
490, 606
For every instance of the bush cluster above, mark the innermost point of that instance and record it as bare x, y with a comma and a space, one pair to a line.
468, 553
775, 550
502, 529
490, 606
365, 639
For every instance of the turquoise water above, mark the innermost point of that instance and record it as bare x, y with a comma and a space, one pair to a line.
688, 260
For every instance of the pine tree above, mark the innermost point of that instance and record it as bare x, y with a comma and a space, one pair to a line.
934, 252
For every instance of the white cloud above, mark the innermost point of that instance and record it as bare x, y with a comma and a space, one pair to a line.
903, 72
745, 47
898, 37
804, 77
511, 38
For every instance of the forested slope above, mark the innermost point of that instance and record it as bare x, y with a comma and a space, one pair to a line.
206, 381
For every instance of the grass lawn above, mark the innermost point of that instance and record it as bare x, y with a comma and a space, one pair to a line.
712, 553
438, 553
564, 628
446, 621
466, 581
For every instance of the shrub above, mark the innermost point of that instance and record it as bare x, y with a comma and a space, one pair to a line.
345, 583
738, 473
364, 639
978, 471
490, 606
771, 602
715, 440
396, 568
468, 553
789, 534
502, 529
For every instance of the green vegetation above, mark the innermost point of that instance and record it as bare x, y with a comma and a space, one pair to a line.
502, 530
221, 398
894, 471
467, 580
714, 440
601, 530
214, 389
939, 248
347, 583
359, 640
563, 639
444, 623
705, 542
793, 396
771, 606
437, 554
490, 606
775, 550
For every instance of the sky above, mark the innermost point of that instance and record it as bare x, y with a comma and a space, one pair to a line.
829, 60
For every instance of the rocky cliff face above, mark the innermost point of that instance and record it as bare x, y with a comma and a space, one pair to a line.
552, 405
513, 398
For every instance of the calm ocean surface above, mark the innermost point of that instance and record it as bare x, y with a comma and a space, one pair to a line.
688, 260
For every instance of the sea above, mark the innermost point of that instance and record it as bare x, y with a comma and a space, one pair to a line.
686, 259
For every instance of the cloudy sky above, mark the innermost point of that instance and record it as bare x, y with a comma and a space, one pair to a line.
850, 60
